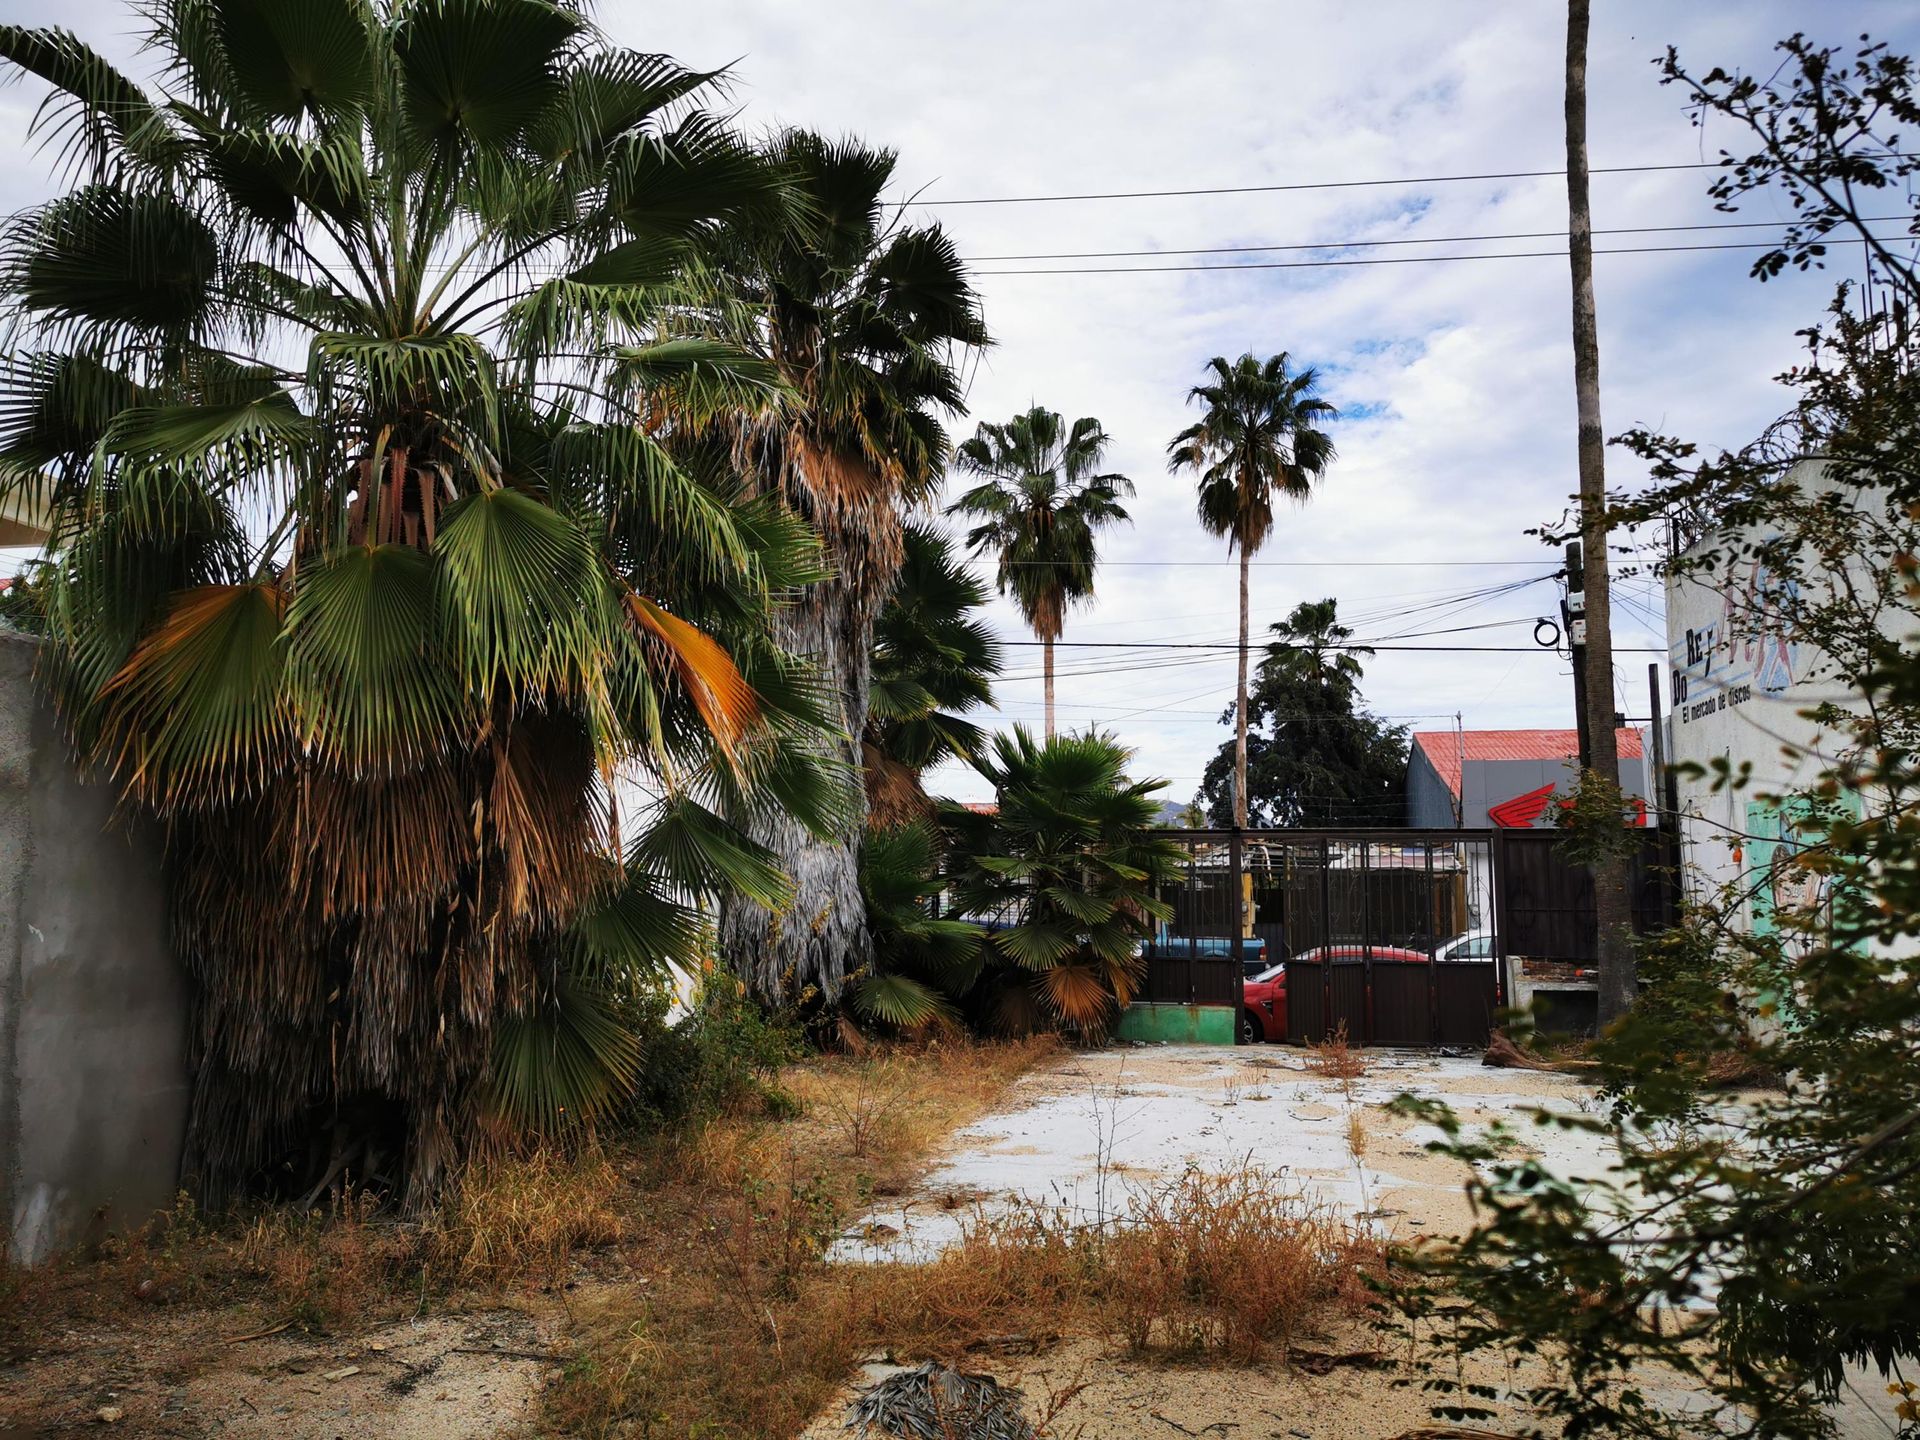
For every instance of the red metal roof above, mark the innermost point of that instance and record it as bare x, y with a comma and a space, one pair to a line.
1445, 749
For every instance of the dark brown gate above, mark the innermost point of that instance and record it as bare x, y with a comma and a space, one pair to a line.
1401, 937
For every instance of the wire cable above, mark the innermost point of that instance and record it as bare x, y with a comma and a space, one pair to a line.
1408, 240
1379, 260
1305, 185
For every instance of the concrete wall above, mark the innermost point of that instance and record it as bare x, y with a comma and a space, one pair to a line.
93, 1084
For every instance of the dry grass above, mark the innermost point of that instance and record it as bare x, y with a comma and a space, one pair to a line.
729, 1321
1228, 1265
1336, 1059
720, 1315
513, 1226
697, 1296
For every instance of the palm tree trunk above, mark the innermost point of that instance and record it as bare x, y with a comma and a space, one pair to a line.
820, 937
1240, 704
1048, 650
1613, 913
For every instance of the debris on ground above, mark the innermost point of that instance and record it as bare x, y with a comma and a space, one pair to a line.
932, 1402
1503, 1053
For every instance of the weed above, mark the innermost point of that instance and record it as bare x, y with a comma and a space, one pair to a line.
1228, 1264
1357, 1136
871, 1114
513, 1220
1336, 1059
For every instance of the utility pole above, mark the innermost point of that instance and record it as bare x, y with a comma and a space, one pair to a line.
1613, 914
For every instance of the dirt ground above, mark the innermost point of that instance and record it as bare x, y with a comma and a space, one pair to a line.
1085, 1130
1081, 1132
169, 1373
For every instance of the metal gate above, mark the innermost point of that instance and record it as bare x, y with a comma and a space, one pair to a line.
1401, 937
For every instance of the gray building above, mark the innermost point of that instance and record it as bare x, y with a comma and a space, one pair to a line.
1475, 779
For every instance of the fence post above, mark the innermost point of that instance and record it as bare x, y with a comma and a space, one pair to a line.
1433, 958
1367, 1027
1497, 871
1193, 913
1234, 857
1326, 939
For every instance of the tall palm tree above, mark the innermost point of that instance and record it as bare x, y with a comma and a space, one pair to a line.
343, 363
1258, 438
1041, 509
865, 319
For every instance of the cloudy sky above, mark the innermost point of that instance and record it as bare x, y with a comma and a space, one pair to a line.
1455, 379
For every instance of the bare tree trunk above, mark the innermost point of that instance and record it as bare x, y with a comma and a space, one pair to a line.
821, 935
1048, 648
1612, 907
1240, 704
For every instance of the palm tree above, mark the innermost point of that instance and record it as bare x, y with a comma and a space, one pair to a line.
864, 318
1067, 869
1040, 510
343, 363
933, 660
923, 964
1259, 437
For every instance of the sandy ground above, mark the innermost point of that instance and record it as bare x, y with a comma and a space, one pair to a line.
472, 1376
1085, 1132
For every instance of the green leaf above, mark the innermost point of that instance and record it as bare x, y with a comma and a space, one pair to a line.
900, 1001
523, 595
367, 654
481, 72
104, 114
254, 432
288, 58
1034, 947
105, 256
196, 713
564, 1065
688, 845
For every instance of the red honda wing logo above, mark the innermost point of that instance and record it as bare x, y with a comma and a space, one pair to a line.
1521, 811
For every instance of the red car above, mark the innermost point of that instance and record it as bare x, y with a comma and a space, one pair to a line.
1263, 1016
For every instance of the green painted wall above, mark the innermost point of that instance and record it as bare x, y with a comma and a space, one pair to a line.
1178, 1024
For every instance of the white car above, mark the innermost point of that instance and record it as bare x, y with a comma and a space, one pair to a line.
1473, 945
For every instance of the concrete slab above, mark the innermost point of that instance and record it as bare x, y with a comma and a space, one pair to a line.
1088, 1134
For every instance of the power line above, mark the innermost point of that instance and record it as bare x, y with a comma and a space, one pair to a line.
1282, 564
1306, 185
1377, 260
1407, 240
1230, 645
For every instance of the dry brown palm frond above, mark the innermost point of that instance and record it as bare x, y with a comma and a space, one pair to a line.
1074, 992
894, 793
726, 702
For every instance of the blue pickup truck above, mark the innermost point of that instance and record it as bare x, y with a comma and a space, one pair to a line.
1251, 949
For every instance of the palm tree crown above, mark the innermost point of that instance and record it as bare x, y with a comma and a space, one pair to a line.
1040, 510
1259, 436
342, 370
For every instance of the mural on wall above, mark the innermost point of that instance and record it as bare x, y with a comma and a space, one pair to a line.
1741, 649
1787, 899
